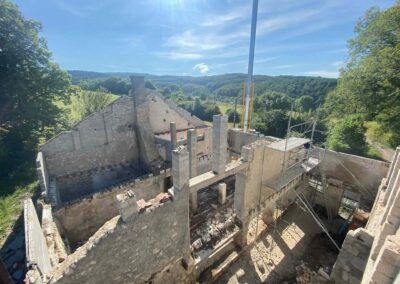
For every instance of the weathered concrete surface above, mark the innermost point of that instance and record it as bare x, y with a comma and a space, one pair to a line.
180, 167
35, 242
174, 141
220, 143
192, 148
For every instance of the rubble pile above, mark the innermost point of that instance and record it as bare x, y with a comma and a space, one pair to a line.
213, 230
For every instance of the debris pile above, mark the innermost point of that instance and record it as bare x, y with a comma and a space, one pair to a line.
211, 232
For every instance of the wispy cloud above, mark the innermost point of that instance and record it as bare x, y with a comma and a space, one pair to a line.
202, 68
214, 20
181, 55
285, 20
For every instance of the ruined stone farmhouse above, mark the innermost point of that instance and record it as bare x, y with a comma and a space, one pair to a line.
144, 192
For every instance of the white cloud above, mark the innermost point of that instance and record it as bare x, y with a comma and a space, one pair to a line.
238, 13
202, 68
323, 73
181, 55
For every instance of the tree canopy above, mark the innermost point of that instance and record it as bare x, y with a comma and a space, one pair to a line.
369, 85
30, 84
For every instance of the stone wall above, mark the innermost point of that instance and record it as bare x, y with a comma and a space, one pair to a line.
108, 146
352, 259
355, 170
133, 251
104, 138
81, 219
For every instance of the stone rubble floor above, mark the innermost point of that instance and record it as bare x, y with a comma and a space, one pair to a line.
296, 241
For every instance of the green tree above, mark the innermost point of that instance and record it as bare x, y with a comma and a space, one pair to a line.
304, 103
347, 135
273, 122
369, 85
272, 100
149, 85
88, 102
232, 115
30, 84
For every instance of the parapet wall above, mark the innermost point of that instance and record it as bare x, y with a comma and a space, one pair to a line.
132, 251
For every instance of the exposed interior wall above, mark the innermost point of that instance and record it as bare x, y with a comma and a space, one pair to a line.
265, 164
108, 146
355, 170
104, 138
237, 139
81, 219
330, 199
166, 111
132, 251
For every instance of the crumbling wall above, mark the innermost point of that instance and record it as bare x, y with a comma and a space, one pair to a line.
95, 153
108, 146
135, 250
82, 218
104, 138
355, 170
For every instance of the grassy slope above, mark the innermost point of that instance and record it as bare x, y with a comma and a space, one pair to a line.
12, 195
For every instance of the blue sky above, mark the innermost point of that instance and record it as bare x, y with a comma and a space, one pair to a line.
198, 37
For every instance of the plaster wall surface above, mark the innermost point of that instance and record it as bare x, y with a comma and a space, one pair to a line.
132, 251
165, 111
36, 247
330, 199
355, 170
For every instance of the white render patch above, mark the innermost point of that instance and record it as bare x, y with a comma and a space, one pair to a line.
292, 143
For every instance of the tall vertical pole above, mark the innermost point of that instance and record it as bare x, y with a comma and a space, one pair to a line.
234, 114
251, 62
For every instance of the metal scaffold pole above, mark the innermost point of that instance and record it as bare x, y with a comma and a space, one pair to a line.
250, 66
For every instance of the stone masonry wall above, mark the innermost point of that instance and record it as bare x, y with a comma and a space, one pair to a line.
132, 251
352, 259
104, 138
82, 218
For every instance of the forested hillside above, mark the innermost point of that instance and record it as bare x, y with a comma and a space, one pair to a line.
221, 87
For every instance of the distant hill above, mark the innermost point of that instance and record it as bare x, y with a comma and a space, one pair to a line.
222, 87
